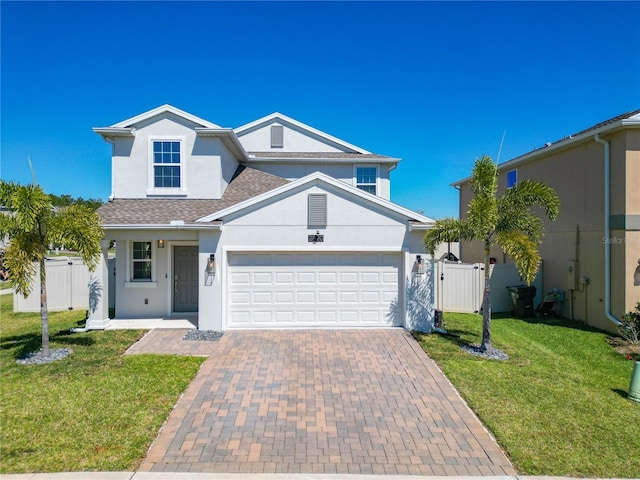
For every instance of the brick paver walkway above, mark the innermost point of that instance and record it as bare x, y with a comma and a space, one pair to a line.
323, 401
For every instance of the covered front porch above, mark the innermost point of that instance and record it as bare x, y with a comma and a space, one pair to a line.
152, 280
189, 322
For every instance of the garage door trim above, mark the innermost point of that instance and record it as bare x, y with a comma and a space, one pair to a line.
226, 284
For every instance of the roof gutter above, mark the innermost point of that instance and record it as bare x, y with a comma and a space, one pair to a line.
156, 226
607, 231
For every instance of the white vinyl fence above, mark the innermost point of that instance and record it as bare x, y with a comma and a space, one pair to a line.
459, 287
67, 287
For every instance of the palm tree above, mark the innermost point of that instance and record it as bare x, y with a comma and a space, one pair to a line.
506, 221
31, 225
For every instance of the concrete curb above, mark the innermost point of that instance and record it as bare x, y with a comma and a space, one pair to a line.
256, 476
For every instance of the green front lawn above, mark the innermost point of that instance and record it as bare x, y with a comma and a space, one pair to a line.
94, 410
558, 406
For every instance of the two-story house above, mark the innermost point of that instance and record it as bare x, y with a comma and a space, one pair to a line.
270, 225
592, 250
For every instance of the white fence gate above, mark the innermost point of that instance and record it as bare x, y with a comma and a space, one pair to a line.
67, 286
459, 287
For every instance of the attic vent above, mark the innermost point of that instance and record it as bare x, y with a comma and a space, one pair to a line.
277, 136
317, 210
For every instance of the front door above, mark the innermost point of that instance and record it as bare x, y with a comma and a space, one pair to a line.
185, 279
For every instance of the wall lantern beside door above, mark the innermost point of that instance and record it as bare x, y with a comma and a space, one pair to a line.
211, 266
160, 243
418, 268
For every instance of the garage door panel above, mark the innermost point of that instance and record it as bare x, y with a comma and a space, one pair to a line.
371, 316
348, 278
263, 317
262, 277
284, 297
389, 278
327, 297
348, 297
284, 278
348, 317
241, 298
306, 290
389, 297
306, 317
327, 277
239, 318
328, 317
370, 277
370, 297
240, 278
306, 277
263, 297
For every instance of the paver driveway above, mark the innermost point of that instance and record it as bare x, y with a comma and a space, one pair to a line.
323, 401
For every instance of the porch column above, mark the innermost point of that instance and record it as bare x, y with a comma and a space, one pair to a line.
99, 292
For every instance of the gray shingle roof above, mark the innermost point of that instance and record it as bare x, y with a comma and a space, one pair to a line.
245, 184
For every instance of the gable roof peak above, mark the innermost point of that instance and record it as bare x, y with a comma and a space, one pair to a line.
162, 109
266, 120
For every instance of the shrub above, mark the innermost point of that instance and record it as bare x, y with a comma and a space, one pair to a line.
629, 327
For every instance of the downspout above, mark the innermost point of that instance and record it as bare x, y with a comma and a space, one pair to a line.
113, 147
607, 233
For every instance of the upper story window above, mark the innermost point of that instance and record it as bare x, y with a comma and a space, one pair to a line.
167, 164
512, 178
141, 261
367, 179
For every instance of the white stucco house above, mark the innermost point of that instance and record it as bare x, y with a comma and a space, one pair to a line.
273, 224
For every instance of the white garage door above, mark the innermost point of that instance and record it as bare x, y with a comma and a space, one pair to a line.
312, 290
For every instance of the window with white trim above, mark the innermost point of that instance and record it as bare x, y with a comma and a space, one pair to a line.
512, 178
367, 179
167, 164
141, 261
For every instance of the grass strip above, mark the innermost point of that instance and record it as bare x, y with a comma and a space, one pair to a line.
94, 410
558, 406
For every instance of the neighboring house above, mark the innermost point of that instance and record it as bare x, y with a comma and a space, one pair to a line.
270, 225
592, 250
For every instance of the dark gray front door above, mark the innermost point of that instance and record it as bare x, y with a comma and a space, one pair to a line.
185, 279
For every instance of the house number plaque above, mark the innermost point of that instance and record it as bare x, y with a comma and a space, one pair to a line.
315, 238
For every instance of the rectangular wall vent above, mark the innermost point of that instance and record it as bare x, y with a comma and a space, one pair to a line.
277, 136
317, 210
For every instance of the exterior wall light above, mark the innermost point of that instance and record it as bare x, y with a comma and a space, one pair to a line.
211, 266
636, 276
418, 268
160, 243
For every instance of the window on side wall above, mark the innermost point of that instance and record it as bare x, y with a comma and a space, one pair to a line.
367, 179
167, 164
141, 262
512, 178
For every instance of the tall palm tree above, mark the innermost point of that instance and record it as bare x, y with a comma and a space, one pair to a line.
31, 226
506, 221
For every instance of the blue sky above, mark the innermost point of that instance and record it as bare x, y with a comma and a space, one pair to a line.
435, 84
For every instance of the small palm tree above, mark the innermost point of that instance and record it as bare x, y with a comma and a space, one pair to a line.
506, 221
31, 226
